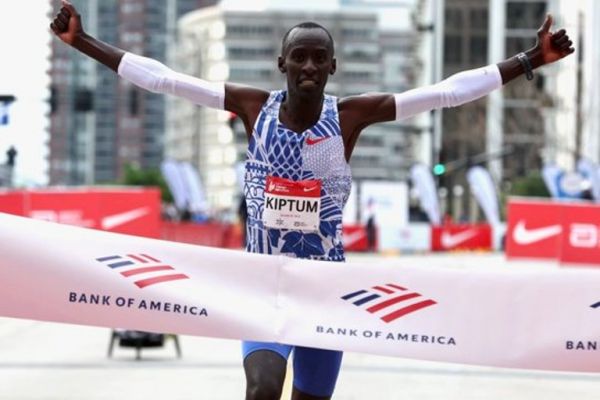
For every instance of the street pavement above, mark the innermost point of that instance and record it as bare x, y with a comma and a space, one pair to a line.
50, 361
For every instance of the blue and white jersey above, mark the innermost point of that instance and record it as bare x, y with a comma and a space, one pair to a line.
313, 159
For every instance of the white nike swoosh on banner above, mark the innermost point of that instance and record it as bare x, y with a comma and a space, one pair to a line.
449, 240
524, 236
354, 237
115, 220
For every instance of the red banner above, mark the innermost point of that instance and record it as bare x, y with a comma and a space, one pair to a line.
12, 203
534, 229
355, 238
135, 212
581, 239
124, 210
461, 237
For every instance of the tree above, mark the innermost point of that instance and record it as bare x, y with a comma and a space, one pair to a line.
135, 176
531, 185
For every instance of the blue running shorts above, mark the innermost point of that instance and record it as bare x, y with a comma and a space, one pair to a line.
315, 370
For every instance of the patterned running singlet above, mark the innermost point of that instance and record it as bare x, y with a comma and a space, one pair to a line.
296, 185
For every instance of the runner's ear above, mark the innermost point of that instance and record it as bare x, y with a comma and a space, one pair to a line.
333, 67
281, 64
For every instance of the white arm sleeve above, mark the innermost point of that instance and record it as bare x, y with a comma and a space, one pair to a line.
156, 77
458, 89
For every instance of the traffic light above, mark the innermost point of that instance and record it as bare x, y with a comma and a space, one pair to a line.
439, 169
11, 155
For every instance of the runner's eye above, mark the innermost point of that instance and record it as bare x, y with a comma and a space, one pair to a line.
297, 56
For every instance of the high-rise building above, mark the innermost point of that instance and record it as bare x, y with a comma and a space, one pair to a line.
576, 87
468, 35
476, 33
509, 130
99, 123
589, 117
242, 46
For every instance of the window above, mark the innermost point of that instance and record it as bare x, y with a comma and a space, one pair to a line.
248, 30
133, 101
53, 99
359, 75
479, 19
250, 52
478, 50
84, 100
453, 49
354, 33
525, 15
453, 18
250, 74
515, 45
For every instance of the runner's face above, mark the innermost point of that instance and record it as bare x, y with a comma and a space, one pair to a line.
307, 60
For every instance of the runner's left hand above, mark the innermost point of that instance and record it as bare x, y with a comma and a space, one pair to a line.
552, 46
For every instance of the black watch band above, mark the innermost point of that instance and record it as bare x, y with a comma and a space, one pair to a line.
524, 60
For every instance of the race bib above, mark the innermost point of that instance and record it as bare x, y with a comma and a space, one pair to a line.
292, 204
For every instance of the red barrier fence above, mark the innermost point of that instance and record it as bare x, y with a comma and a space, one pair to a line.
136, 211
564, 231
461, 237
130, 211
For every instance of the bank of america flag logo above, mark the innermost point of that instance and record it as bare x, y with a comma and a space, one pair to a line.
142, 269
388, 301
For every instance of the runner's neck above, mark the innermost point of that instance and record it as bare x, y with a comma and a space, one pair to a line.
298, 114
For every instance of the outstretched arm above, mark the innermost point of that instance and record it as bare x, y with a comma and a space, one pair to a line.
154, 76
68, 27
358, 112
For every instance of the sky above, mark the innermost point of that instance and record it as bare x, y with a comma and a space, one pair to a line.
25, 40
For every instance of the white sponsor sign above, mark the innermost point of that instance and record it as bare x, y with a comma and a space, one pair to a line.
185, 185
591, 172
484, 190
84, 276
388, 203
423, 182
350, 216
414, 237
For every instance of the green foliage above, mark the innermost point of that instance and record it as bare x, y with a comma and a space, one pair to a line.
531, 185
135, 176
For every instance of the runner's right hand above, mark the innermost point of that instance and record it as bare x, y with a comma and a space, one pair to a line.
67, 23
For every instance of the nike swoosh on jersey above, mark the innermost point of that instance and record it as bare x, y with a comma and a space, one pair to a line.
524, 236
112, 221
312, 141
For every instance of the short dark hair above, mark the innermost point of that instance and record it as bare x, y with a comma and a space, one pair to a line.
305, 25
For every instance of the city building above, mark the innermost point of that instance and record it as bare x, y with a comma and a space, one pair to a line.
509, 129
99, 123
242, 46
576, 87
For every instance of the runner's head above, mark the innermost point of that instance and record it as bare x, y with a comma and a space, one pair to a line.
307, 57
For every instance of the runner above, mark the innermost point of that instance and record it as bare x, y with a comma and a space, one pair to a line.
297, 176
